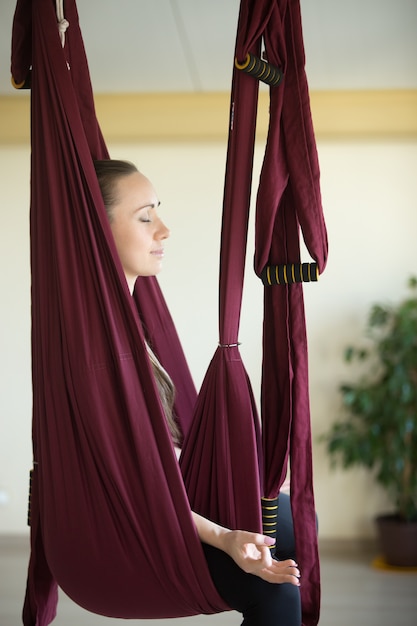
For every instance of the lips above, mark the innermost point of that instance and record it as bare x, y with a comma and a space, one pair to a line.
159, 253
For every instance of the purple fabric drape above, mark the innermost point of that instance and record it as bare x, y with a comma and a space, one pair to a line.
226, 410
288, 197
111, 522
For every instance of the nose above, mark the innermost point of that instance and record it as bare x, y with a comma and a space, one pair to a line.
163, 231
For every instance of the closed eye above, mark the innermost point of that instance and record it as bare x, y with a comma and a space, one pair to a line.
144, 213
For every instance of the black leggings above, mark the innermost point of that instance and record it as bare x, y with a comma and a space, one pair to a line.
261, 603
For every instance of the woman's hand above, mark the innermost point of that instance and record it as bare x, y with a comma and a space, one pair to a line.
251, 552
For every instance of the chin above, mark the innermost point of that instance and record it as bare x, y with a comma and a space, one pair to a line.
149, 273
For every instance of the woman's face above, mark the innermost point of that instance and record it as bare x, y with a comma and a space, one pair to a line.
137, 229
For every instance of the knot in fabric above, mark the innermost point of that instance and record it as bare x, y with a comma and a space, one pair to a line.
62, 26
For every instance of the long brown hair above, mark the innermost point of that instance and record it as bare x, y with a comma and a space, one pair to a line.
108, 173
167, 394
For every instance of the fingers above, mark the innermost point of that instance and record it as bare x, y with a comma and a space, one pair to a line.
271, 570
257, 538
289, 563
278, 579
282, 572
268, 541
289, 566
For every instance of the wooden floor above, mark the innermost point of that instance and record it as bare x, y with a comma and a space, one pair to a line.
353, 593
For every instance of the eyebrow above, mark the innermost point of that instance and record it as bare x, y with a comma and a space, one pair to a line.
153, 205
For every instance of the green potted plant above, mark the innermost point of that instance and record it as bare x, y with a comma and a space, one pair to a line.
378, 428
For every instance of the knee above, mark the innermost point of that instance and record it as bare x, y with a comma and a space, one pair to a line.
277, 604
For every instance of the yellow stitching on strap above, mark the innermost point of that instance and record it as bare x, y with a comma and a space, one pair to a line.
264, 68
268, 275
276, 79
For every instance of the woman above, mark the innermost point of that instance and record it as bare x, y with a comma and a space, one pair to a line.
263, 589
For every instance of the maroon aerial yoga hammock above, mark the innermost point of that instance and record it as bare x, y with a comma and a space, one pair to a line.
288, 196
110, 516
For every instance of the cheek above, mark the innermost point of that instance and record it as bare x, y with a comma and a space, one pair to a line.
131, 241
121, 239
122, 235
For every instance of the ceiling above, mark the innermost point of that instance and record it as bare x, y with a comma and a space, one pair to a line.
187, 45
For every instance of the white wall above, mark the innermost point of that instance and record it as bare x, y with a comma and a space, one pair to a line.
369, 193
15, 374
